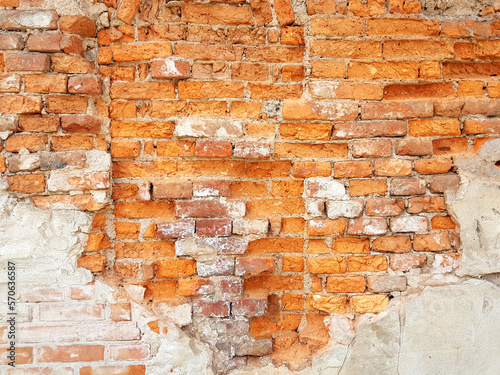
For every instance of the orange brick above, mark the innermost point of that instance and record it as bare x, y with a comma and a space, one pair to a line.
31, 183
125, 149
275, 54
214, 89
292, 73
145, 250
173, 268
127, 230
246, 110
292, 35
138, 52
325, 227
367, 263
287, 188
142, 129
192, 109
257, 285
37, 123
31, 142
367, 8
262, 91
216, 14
325, 303
337, 27
290, 302
367, 187
403, 27
94, 263
392, 244
433, 166
306, 150
350, 245
442, 222
97, 241
309, 131
341, 284
393, 167
262, 327
74, 142
116, 370
161, 289
383, 70
346, 49
264, 208
10, 82
20, 104
434, 128
322, 265
194, 286
398, 49
292, 264
79, 25
345, 90
268, 169
374, 303
84, 202
327, 69
71, 64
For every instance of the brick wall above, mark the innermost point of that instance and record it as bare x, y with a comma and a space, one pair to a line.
270, 163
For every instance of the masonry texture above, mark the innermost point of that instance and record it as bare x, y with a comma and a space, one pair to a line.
250, 186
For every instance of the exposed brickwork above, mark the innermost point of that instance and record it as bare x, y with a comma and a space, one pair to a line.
265, 164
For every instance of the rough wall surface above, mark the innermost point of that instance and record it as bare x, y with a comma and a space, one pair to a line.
251, 187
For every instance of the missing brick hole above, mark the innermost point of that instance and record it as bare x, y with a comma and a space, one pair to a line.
498, 163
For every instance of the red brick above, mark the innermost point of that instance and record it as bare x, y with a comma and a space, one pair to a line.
253, 266
84, 85
440, 184
481, 126
249, 307
397, 110
81, 124
79, 25
384, 207
27, 62
218, 309
367, 226
311, 169
218, 149
44, 43
213, 227
414, 147
433, 166
349, 169
447, 146
372, 149
11, 42
176, 229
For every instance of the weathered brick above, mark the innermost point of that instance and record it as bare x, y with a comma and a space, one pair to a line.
12, 42
10, 83
139, 52
433, 166
432, 242
264, 208
392, 167
383, 70
346, 49
326, 227
79, 25
407, 187
446, 146
392, 244
45, 83
405, 262
176, 229
28, 19
397, 110
370, 227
